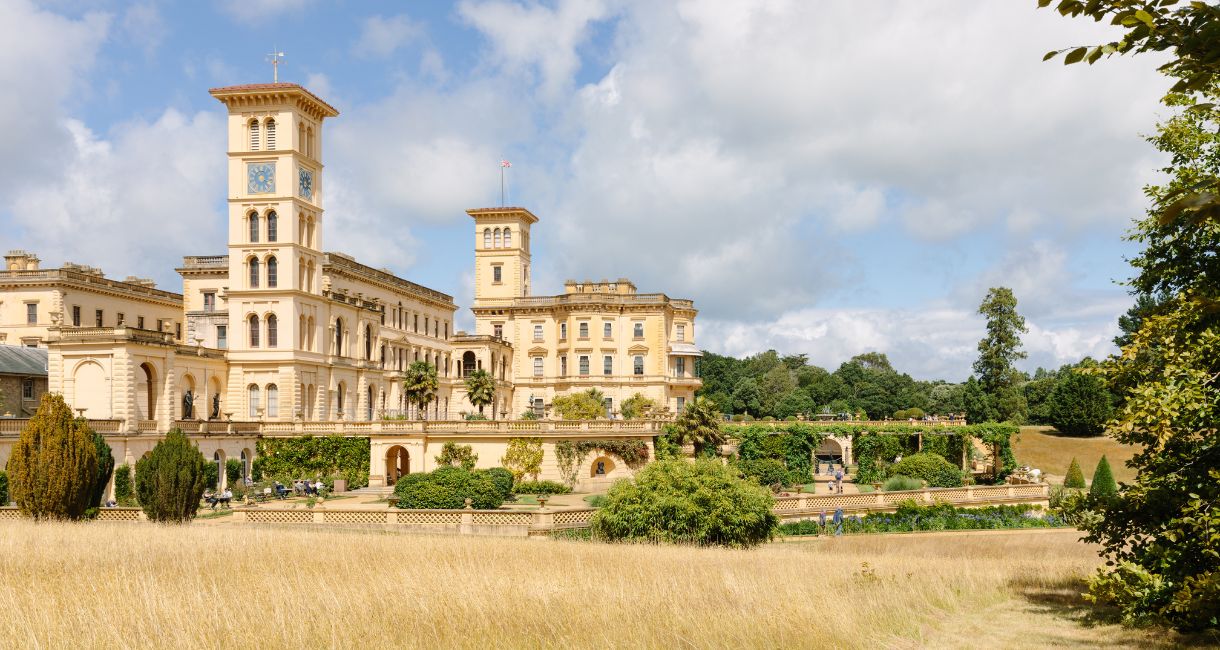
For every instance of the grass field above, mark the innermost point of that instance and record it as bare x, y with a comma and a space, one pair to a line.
1041, 447
137, 586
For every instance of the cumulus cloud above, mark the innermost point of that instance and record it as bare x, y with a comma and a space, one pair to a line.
250, 12
380, 36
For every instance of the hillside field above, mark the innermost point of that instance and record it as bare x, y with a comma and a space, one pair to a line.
138, 585
1043, 448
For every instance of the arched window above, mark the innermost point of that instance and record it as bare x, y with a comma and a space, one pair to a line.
273, 401
309, 142
253, 227
338, 337
496, 235
253, 331
270, 134
273, 226
253, 273
301, 327
309, 327
340, 394
487, 238
508, 238
383, 356
368, 343
273, 335
301, 229
301, 137
252, 398
309, 275
253, 135
273, 272
368, 410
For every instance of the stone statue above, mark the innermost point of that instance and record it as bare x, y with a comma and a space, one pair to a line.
215, 407
188, 405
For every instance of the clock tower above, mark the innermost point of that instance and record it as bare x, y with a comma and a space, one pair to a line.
275, 231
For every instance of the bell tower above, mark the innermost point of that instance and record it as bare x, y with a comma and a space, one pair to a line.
501, 252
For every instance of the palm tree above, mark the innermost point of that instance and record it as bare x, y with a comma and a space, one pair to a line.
481, 389
699, 425
420, 384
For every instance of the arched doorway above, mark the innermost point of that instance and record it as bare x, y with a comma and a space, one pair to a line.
219, 459
830, 451
146, 392
246, 464
397, 464
469, 364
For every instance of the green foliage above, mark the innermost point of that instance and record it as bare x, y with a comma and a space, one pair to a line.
529, 414
170, 480
571, 453
674, 501
585, 405
472, 417
933, 468
286, 459
53, 468
523, 457
978, 405
448, 488
542, 487
233, 470
419, 385
898, 483
502, 479
211, 475
1075, 477
1103, 488
457, 455
664, 444
768, 472
907, 414
699, 425
1080, 404
998, 351
4, 500
124, 490
637, 406
105, 467
873, 447
911, 516
793, 444
873, 452
480, 389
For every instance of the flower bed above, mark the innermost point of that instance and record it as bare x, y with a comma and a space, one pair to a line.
911, 517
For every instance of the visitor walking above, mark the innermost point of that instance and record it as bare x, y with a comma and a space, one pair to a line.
838, 521
838, 484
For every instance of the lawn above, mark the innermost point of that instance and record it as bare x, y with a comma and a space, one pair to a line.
139, 585
1043, 448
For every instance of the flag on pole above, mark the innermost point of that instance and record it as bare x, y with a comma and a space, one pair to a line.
505, 163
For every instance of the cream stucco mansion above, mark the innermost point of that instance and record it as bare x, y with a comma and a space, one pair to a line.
279, 337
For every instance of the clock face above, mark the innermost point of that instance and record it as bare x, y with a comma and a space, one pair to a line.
260, 178
305, 184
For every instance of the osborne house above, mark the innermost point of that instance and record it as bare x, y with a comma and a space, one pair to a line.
277, 337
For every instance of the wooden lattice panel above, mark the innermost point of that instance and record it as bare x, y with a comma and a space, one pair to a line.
783, 505
9, 513
430, 518
279, 516
503, 518
573, 517
354, 517
118, 514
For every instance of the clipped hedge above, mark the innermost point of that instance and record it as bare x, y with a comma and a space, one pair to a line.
448, 488
124, 490
768, 472
542, 488
938, 472
307, 456
503, 480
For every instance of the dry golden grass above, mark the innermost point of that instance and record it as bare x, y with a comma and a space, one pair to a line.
1038, 447
139, 586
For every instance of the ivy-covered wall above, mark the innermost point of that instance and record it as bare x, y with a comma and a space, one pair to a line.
792, 443
310, 456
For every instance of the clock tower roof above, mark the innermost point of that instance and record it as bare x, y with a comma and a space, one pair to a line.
274, 93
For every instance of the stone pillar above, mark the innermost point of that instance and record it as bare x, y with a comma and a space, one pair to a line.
123, 387
168, 404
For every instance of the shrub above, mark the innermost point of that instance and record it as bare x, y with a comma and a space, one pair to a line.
233, 468
53, 468
1074, 478
335, 456
737, 417
123, 492
211, 475
704, 503
105, 467
585, 405
1103, 488
637, 406
1080, 404
472, 417
503, 480
523, 457
930, 467
899, 483
911, 516
448, 488
171, 479
542, 487
457, 455
770, 472
3, 489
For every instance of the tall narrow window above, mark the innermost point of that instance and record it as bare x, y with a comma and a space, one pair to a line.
222, 336
75, 315
273, 272
253, 331
253, 273
338, 351
273, 331
253, 135
270, 134
584, 365
252, 400
496, 236
273, 401
273, 226
487, 238
680, 367
31, 313
497, 331
638, 331
497, 274
301, 137
537, 332
680, 333
209, 301
584, 330
638, 362
563, 331
537, 366
368, 342
607, 330
508, 238
97, 316
607, 365
253, 227
563, 366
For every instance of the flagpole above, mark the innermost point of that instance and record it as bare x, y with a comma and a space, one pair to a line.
501, 184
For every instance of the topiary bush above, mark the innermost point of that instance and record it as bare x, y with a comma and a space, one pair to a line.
1103, 487
1075, 477
124, 493
171, 479
929, 467
542, 487
211, 475
3, 489
448, 488
899, 483
53, 468
503, 480
769, 472
233, 468
705, 503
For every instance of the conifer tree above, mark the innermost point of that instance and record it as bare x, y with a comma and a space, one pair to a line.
54, 464
1075, 477
170, 480
1103, 487
105, 467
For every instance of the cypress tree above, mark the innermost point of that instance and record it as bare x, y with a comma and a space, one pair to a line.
3, 489
123, 491
171, 480
54, 464
1075, 477
1104, 487
105, 467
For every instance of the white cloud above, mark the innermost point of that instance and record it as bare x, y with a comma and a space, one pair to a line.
257, 11
142, 23
380, 36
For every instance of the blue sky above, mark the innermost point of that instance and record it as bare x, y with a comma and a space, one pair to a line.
828, 178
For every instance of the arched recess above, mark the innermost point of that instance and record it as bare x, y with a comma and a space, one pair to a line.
829, 451
338, 351
213, 405
221, 480
601, 467
340, 398
247, 463
91, 388
190, 398
371, 402
397, 464
146, 392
